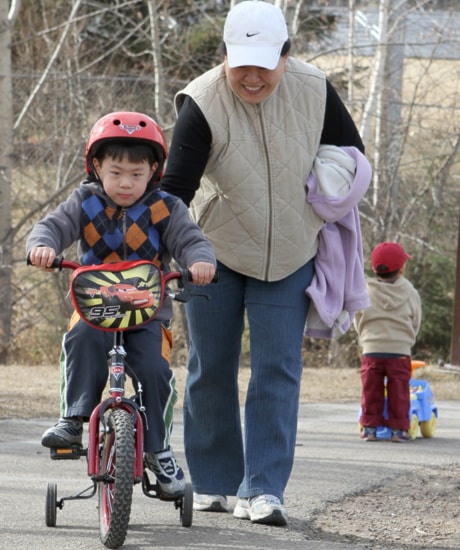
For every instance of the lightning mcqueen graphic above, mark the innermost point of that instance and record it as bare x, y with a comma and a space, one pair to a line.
127, 294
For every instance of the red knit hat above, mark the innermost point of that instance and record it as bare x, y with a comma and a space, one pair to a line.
388, 257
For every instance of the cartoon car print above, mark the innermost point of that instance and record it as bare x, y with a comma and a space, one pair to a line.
127, 294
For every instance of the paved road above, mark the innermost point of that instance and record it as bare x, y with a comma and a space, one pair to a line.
331, 462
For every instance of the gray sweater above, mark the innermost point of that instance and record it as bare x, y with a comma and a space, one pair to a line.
181, 238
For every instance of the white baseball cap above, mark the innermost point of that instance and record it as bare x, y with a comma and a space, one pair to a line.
254, 34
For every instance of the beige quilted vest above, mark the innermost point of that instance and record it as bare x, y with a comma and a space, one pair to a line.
251, 201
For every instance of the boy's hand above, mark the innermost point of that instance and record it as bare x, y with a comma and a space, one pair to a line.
202, 273
42, 257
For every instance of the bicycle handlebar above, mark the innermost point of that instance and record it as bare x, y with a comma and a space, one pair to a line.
183, 276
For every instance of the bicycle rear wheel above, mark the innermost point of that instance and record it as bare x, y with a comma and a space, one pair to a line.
117, 472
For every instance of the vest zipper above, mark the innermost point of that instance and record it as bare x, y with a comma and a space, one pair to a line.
270, 199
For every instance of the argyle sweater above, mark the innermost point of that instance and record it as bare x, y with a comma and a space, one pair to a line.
157, 228
111, 234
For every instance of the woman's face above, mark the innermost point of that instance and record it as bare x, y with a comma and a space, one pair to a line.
254, 84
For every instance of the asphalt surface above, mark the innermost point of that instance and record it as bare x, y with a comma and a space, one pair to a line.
331, 462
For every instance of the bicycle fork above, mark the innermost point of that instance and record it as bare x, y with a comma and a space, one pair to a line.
116, 400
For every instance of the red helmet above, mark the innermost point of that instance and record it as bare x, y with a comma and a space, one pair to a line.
127, 125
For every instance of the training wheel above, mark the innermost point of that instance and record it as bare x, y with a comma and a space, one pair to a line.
186, 510
51, 504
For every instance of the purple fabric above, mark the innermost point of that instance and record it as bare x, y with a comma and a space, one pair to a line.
339, 284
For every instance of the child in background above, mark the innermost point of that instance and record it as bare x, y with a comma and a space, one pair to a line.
119, 213
387, 330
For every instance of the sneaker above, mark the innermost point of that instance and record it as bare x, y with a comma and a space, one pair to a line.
368, 433
170, 476
242, 510
265, 509
400, 436
210, 503
67, 432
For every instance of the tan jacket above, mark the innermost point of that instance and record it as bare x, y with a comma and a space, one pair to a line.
251, 202
393, 321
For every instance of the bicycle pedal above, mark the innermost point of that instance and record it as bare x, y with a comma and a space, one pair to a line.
67, 453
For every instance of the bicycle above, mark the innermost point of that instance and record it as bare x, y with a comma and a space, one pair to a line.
115, 297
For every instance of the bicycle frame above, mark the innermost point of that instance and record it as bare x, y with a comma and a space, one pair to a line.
116, 400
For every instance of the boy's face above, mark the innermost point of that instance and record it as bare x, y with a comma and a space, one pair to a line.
124, 182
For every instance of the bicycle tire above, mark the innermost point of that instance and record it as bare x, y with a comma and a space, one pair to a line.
186, 509
50, 505
117, 464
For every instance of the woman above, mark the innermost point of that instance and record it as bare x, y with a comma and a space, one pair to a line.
244, 143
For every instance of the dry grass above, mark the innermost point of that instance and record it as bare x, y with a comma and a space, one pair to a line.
33, 391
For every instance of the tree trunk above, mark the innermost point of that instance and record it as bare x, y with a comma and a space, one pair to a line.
391, 111
6, 138
156, 62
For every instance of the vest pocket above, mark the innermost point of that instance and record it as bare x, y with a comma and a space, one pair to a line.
201, 211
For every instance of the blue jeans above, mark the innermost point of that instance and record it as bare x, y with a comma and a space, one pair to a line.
218, 461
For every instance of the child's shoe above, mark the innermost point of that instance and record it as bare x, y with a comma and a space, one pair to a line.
368, 433
67, 432
170, 476
400, 436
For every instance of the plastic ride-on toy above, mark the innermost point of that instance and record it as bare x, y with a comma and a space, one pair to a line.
422, 410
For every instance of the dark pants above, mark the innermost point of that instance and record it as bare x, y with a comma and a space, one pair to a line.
373, 372
84, 374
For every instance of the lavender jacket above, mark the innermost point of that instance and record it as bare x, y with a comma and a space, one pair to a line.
338, 181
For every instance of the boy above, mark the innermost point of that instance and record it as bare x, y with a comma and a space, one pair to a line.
387, 331
119, 213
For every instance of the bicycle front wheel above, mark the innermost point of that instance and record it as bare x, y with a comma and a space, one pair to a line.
115, 486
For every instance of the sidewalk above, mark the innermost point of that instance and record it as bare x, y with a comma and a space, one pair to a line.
331, 462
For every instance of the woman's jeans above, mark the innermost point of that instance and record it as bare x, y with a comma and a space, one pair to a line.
276, 314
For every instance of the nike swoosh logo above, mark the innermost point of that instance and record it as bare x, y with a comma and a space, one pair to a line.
253, 34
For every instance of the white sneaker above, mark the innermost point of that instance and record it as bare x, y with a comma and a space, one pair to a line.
210, 503
265, 509
242, 510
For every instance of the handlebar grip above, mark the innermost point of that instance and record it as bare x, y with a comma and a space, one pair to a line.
57, 262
